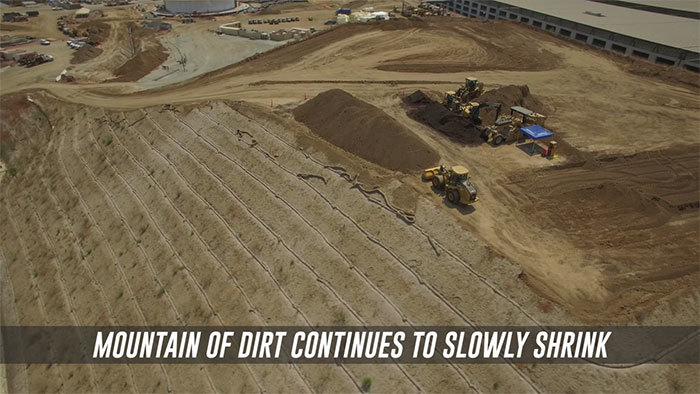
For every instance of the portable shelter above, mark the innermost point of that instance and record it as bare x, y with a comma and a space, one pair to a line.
535, 132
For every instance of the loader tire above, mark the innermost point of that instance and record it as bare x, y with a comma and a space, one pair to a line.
498, 140
437, 182
453, 196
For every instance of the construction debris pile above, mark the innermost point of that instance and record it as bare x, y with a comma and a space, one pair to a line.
365, 130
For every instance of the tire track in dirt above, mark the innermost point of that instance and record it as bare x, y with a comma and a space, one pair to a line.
375, 240
229, 229
264, 225
199, 237
113, 255
346, 260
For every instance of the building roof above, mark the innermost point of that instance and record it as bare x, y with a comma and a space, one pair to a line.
683, 5
663, 29
82, 11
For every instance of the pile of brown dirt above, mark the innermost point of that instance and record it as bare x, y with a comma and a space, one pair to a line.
140, 65
95, 31
365, 130
433, 114
24, 131
669, 74
84, 54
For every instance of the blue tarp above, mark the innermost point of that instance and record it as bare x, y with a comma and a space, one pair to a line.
536, 132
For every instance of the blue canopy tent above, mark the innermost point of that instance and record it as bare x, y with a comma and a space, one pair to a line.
535, 132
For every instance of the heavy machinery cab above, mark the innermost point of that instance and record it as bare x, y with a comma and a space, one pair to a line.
455, 100
473, 110
473, 84
459, 174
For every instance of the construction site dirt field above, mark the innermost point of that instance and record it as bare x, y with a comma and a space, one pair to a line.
286, 191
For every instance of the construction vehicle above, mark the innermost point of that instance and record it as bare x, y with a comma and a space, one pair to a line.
472, 89
455, 181
506, 128
473, 111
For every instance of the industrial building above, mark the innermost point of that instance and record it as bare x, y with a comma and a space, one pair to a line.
199, 6
661, 32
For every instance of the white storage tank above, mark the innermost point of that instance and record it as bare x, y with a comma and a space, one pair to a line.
199, 6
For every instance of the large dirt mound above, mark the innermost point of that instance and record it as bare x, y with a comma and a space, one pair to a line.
433, 114
365, 130
88, 52
95, 31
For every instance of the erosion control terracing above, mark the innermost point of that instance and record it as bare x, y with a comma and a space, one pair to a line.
365, 130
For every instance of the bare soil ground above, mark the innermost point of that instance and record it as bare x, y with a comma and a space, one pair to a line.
174, 216
638, 213
213, 211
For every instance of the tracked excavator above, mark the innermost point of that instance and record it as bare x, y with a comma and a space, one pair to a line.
455, 181
455, 100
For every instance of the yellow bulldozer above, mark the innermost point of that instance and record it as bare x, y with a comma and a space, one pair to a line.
455, 100
455, 181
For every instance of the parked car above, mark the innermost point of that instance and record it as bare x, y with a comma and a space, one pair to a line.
45, 42
330, 22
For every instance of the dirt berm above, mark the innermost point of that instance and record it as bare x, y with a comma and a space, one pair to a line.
433, 114
508, 96
365, 130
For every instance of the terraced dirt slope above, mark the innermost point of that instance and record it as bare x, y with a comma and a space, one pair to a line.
211, 215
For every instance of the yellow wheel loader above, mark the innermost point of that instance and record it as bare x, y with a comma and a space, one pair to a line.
455, 100
455, 181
